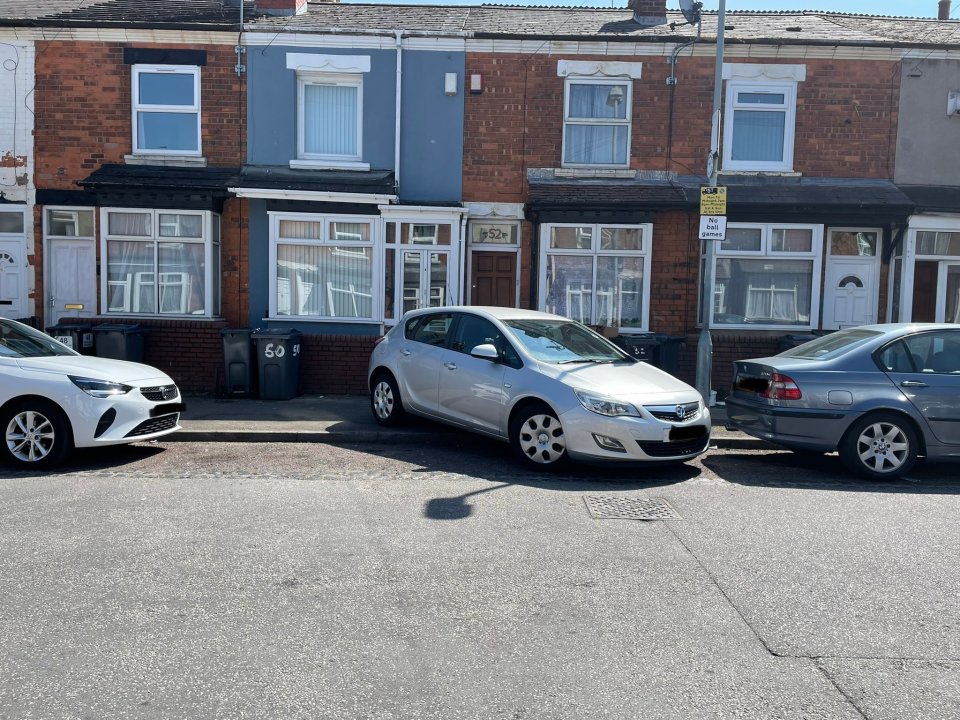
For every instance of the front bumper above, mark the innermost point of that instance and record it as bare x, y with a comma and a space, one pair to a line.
642, 439
123, 418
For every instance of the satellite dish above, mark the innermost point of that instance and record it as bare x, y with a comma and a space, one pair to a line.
691, 10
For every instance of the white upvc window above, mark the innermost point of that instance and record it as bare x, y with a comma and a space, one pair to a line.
768, 276
323, 267
596, 122
597, 274
759, 126
330, 118
160, 262
166, 110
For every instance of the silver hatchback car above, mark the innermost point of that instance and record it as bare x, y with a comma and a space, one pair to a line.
551, 387
881, 395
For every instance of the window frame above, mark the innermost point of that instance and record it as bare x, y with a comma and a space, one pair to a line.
627, 121
211, 259
327, 221
138, 107
788, 108
333, 160
595, 252
815, 254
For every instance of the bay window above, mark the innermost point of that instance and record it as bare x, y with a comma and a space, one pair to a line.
767, 276
596, 274
161, 262
322, 266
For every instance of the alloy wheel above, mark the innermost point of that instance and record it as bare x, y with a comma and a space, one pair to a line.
883, 447
30, 436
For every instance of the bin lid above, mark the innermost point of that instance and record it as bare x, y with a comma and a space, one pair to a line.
235, 331
268, 333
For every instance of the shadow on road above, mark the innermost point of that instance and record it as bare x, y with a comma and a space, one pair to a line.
797, 471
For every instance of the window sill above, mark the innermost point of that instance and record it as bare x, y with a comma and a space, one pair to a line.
309, 319
173, 160
328, 165
761, 173
595, 172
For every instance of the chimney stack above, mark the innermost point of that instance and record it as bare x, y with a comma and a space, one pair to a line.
281, 7
944, 10
649, 12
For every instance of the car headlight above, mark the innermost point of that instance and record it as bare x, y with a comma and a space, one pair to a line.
603, 405
100, 388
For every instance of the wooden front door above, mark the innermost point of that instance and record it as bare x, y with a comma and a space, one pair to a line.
494, 279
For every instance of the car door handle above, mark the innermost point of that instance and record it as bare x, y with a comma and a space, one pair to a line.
913, 383
450, 365
405, 352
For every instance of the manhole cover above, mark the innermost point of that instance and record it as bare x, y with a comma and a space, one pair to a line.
614, 507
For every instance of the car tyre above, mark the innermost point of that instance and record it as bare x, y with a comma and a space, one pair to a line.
385, 402
36, 434
881, 446
537, 438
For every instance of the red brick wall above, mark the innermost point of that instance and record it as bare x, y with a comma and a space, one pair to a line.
83, 109
846, 119
335, 364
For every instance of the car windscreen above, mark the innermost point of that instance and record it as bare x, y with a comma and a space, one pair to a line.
832, 345
20, 341
564, 341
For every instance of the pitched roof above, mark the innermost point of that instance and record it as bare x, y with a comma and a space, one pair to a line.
492, 21
489, 21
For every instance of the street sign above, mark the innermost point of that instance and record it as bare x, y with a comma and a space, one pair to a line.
713, 201
713, 227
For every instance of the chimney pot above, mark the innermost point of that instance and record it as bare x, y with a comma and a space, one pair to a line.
944, 13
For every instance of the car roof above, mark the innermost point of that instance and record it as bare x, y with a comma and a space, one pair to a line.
490, 311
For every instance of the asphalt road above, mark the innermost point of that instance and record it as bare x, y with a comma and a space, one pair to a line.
284, 581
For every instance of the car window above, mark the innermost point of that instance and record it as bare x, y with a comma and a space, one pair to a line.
934, 352
410, 326
433, 329
20, 341
472, 331
564, 341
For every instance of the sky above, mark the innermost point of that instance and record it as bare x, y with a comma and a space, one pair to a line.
906, 8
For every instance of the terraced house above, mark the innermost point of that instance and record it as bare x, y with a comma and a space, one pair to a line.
326, 167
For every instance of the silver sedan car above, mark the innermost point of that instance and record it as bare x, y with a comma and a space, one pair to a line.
881, 395
551, 387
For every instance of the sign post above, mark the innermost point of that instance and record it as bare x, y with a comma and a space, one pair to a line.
705, 343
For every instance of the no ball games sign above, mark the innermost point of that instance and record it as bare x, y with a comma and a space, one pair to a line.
713, 227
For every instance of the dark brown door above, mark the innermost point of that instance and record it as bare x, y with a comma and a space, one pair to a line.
925, 291
494, 279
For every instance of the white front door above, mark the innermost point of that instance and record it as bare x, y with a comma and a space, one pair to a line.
71, 279
13, 279
426, 278
851, 285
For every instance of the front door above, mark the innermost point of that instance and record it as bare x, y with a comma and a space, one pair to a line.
852, 279
493, 278
72, 279
13, 291
426, 279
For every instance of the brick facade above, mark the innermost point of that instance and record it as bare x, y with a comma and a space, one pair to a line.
846, 120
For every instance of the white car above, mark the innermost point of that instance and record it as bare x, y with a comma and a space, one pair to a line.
551, 387
53, 399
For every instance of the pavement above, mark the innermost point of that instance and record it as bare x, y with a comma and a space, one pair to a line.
341, 419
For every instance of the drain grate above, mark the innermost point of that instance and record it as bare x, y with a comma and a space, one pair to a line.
614, 507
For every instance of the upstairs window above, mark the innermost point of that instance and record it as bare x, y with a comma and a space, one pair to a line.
596, 122
760, 116
166, 110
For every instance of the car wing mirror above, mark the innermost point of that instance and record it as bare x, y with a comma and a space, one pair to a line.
486, 351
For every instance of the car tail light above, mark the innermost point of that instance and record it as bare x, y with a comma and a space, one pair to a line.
781, 387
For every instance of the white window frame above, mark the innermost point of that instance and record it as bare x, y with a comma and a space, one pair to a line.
351, 161
594, 251
375, 245
766, 251
211, 246
567, 120
138, 107
788, 108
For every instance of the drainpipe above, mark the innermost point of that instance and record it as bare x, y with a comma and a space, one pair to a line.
396, 138
944, 7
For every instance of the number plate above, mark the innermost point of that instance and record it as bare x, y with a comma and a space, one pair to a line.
686, 433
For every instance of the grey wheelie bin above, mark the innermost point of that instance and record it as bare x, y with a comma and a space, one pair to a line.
278, 362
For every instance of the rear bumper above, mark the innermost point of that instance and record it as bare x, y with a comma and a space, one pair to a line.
811, 429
